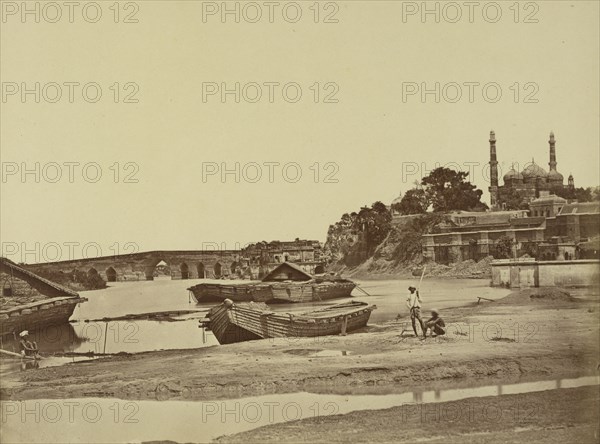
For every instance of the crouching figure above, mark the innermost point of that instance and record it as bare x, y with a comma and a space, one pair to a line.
435, 324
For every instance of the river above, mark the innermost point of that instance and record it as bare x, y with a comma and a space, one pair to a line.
86, 333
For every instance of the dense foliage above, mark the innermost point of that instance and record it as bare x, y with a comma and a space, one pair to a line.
356, 235
76, 279
444, 190
588, 194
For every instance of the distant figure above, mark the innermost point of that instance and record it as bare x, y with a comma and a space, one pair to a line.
28, 348
436, 324
414, 305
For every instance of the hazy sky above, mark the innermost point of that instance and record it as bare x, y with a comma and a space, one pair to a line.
375, 141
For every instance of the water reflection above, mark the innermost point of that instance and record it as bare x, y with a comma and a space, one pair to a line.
114, 420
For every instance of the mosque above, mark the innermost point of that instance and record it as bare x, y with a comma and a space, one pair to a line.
531, 183
550, 229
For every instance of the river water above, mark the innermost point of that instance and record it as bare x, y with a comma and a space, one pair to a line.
113, 420
88, 333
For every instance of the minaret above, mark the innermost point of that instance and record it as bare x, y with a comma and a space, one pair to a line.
493, 172
571, 182
552, 143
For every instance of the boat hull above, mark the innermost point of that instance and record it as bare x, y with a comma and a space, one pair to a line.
287, 292
39, 315
237, 293
244, 322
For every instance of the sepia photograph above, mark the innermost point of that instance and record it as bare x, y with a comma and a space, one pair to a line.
310, 221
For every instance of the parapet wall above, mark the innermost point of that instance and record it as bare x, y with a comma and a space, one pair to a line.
529, 273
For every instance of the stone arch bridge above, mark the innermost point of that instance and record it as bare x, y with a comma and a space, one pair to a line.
143, 266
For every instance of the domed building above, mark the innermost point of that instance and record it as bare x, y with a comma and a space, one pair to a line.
532, 182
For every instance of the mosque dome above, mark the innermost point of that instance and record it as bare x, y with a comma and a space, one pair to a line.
512, 174
555, 176
534, 171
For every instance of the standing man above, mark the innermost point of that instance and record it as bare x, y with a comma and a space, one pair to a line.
414, 305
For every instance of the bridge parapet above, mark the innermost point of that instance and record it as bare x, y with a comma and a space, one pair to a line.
143, 266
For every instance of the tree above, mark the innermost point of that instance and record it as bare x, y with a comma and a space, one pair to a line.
511, 199
503, 247
375, 223
413, 202
448, 190
579, 194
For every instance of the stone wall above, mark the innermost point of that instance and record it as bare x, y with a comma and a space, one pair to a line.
529, 273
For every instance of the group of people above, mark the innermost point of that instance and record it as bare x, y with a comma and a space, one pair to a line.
435, 324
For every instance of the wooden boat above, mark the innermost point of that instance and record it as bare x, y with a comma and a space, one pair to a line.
37, 315
286, 283
31, 302
241, 292
231, 322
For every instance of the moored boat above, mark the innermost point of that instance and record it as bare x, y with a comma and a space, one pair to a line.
238, 292
231, 322
31, 302
286, 283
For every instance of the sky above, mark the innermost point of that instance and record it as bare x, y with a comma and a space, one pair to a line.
329, 114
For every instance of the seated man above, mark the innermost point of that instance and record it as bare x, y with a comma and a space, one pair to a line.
436, 324
28, 348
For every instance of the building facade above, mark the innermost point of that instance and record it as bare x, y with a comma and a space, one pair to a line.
552, 230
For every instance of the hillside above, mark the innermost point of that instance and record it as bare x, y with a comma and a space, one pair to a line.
400, 254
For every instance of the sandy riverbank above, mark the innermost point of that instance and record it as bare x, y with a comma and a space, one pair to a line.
518, 338
552, 416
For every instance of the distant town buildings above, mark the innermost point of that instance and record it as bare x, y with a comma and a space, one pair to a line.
261, 257
557, 231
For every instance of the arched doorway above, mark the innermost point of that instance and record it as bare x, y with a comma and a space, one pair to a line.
217, 269
111, 274
233, 267
185, 272
200, 268
319, 269
92, 272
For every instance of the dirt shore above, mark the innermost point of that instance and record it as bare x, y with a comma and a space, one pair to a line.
518, 339
553, 416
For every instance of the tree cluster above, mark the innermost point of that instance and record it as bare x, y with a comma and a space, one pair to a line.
370, 225
444, 190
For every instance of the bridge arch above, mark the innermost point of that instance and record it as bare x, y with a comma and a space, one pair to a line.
217, 268
92, 272
111, 274
184, 270
152, 266
200, 269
